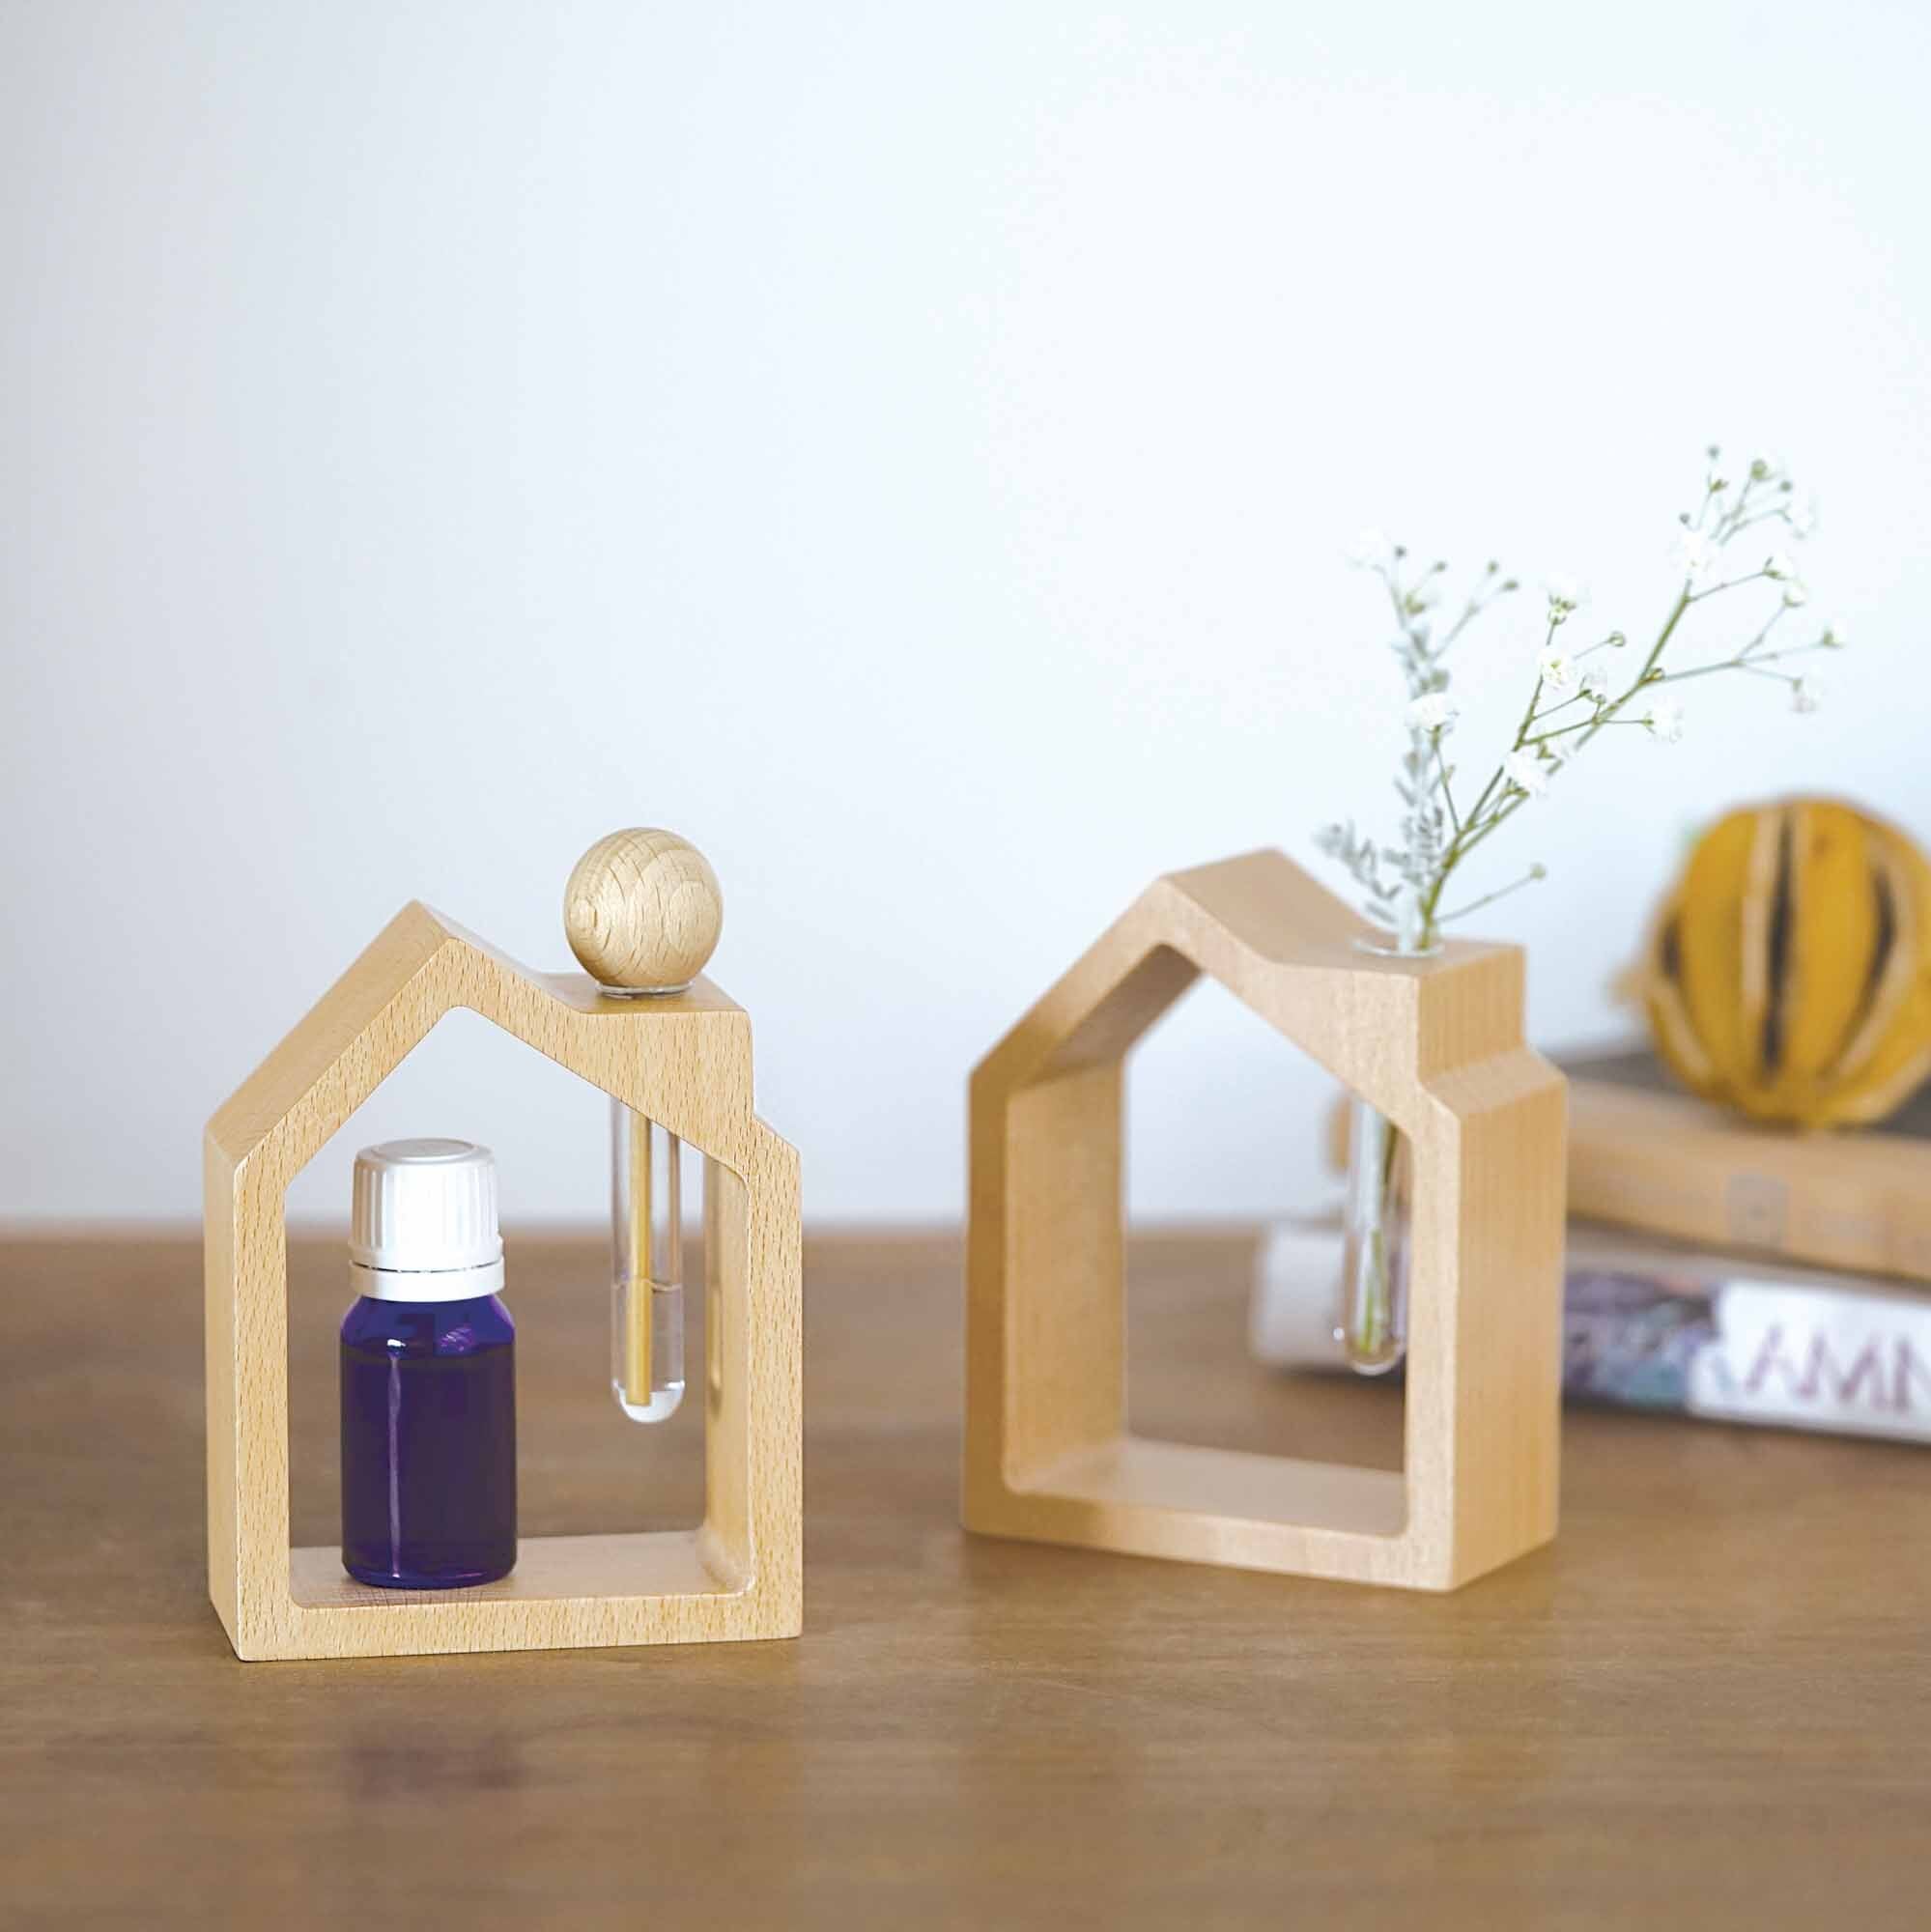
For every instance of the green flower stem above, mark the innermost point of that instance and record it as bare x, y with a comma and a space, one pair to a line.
1744, 659
1528, 878
1447, 791
1475, 829
1368, 1327
1683, 603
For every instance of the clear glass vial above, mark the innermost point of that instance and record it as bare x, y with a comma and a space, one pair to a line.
647, 1274
428, 1372
1372, 1322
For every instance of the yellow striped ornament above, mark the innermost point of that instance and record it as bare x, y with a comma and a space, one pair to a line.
1789, 971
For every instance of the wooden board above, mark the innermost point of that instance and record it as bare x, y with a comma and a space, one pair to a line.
1645, 1154
1705, 1705
1436, 1045
683, 1061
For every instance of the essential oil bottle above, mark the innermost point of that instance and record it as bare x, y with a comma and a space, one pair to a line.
428, 1372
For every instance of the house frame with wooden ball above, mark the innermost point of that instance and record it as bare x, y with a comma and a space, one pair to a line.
658, 1038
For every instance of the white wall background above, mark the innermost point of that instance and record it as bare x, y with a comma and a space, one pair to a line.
908, 447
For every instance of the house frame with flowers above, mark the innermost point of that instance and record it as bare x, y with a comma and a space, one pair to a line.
1436, 1043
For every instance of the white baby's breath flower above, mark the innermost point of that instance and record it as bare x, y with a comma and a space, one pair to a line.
1664, 720
1527, 772
1400, 874
1833, 637
1565, 594
1698, 554
1557, 671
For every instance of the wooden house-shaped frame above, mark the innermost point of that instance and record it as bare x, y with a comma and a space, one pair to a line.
683, 1060
1437, 1044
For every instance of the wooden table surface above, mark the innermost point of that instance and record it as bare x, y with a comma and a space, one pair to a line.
1707, 1705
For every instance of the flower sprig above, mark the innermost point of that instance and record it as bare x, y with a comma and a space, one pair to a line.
1577, 693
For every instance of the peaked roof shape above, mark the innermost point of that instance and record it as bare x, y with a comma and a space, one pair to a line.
1436, 1045
1288, 949
421, 966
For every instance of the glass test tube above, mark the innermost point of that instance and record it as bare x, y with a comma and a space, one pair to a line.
1372, 1329
647, 1280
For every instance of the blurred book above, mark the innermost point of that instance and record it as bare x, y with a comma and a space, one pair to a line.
1649, 1324
1643, 1153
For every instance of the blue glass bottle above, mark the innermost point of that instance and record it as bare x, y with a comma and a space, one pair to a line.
428, 1442
428, 1374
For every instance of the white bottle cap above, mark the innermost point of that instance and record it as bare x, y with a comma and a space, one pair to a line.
424, 1223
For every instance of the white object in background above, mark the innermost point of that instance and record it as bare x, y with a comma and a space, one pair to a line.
1296, 1278
1657, 1325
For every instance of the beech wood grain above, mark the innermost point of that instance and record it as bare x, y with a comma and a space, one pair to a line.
683, 1061
1707, 1704
1436, 1044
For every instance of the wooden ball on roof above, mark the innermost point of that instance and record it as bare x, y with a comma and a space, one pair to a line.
643, 911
